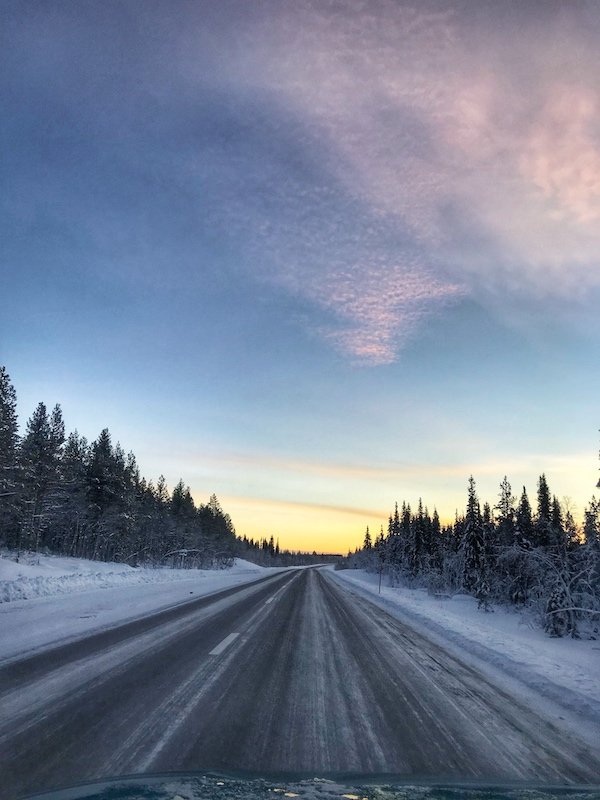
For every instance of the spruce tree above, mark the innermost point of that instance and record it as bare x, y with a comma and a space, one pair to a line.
405, 536
557, 527
524, 522
472, 541
70, 517
591, 524
436, 553
40, 457
394, 541
505, 514
9, 487
417, 541
101, 477
542, 529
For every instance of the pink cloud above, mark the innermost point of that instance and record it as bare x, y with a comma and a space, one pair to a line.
416, 112
380, 308
562, 152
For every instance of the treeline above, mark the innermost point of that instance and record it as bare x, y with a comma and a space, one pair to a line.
268, 553
61, 494
507, 554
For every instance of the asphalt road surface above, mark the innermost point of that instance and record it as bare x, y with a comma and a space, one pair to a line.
292, 673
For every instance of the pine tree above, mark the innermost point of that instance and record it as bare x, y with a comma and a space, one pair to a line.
591, 524
57, 431
505, 514
9, 523
542, 529
394, 540
472, 541
70, 519
524, 522
417, 539
405, 536
178, 499
436, 542
571, 530
161, 492
40, 456
105, 485
101, 473
557, 527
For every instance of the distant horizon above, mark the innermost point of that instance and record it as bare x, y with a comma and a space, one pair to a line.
258, 510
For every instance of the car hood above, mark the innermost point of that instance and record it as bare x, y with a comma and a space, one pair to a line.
216, 786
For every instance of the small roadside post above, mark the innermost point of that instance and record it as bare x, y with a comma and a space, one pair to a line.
380, 547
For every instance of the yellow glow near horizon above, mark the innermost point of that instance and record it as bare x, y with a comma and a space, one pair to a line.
326, 506
300, 526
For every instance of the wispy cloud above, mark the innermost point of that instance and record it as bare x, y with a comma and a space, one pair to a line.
375, 160
295, 506
393, 474
562, 154
416, 112
380, 308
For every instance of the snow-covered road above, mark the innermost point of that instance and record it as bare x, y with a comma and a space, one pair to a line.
291, 673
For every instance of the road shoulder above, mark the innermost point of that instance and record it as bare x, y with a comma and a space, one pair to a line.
530, 680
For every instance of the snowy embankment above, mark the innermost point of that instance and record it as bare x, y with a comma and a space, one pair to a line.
37, 575
560, 675
68, 597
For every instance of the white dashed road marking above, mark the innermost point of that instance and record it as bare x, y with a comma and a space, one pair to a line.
216, 651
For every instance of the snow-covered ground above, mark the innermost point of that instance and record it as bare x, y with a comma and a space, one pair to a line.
50, 599
36, 575
562, 676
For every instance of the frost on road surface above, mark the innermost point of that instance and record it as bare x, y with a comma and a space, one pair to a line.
316, 680
559, 676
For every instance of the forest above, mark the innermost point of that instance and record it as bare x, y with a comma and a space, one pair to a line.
510, 554
61, 494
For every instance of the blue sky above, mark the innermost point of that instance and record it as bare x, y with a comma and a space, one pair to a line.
312, 256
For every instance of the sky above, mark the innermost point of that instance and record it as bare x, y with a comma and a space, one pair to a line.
314, 256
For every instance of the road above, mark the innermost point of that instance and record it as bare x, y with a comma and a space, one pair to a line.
292, 673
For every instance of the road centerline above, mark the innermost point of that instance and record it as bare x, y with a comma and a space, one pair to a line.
216, 651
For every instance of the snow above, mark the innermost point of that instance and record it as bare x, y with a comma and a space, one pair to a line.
54, 599
46, 600
561, 677
36, 575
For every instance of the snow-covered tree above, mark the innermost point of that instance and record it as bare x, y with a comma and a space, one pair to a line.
505, 514
40, 455
472, 541
8, 460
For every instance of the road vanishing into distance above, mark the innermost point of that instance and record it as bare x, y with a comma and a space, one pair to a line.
292, 673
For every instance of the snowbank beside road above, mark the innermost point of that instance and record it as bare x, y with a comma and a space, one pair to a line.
71, 609
36, 575
506, 645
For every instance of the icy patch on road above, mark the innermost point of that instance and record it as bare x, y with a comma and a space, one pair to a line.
564, 672
36, 575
